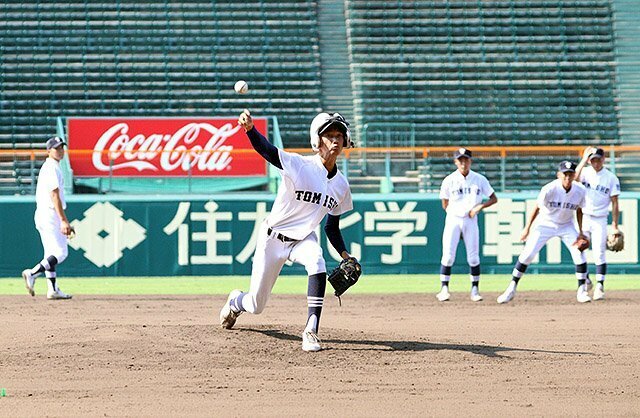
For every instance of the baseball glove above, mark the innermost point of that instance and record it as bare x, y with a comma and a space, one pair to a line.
615, 241
582, 243
345, 275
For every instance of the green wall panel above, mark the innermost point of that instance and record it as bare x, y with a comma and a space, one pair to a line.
215, 235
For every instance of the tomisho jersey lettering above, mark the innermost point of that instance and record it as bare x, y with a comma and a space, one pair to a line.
601, 186
557, 206
464, 193
306, 195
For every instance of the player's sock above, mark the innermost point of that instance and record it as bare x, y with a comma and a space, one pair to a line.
48, 263
51, 280
50, 272
601, 272
37, 269
236, 303
474, 274
601, 285
581, 274
445, 275
315, 299
518, 272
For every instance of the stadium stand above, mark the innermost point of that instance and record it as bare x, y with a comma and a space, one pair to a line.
428, 73
485, 73
156, 58
498, 72
628, 97
19, 176
337, 95
518, 172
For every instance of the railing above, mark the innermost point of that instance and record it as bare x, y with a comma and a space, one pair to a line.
379, 134
490, 153
111, 158
356, 155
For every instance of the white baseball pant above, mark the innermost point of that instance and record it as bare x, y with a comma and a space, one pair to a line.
541, 234
54, 242
268, 260
596, 228
454, 227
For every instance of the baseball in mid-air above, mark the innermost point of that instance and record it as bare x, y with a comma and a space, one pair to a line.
241, 87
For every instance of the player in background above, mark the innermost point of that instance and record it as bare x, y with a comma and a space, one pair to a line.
51, 221
603, 188
312, 188
559, 203
462, 193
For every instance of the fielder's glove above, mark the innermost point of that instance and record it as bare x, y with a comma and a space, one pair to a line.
615, 241
582, 243
345, 275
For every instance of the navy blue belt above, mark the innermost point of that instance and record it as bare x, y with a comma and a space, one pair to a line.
281, 237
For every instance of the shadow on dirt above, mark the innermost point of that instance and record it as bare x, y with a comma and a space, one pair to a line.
385, 345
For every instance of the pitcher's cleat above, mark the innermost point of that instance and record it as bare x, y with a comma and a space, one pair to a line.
227, 316
310, 341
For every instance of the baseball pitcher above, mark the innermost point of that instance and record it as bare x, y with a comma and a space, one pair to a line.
51, 221
312, 188
462, 193
603, 189
558, 204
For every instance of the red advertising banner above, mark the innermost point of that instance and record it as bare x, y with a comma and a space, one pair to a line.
162, 147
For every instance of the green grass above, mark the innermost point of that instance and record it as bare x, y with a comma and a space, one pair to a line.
203, 285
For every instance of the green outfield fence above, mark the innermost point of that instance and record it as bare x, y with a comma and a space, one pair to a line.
216, 235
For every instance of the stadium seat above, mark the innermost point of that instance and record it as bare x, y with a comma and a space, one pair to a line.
522, 62
100, 59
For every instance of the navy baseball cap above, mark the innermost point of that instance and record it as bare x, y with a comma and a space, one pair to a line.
567, 167
598, 153
462, 152
54, 142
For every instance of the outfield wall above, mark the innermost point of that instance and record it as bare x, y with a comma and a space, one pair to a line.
216, 235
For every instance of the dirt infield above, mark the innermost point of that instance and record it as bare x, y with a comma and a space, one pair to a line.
396, 355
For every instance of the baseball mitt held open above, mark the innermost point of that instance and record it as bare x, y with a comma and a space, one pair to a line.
615, 241
345, 275
582, 243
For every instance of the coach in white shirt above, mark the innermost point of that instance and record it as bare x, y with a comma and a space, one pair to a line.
603, 188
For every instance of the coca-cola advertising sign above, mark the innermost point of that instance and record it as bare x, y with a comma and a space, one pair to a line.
162, 147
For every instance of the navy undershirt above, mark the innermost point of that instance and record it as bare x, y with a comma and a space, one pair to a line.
332, 229
265, 148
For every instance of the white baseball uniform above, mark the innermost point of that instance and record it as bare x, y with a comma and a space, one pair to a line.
556, 219
463, 194
304, 198
601, 186
46, 219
